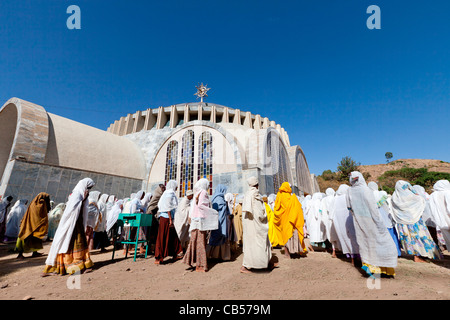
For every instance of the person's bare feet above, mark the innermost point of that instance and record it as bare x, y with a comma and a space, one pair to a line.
245, 270
200, 269
333, 255
286, 253
418, 259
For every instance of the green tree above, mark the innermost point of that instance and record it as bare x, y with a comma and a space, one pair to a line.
346, 166
388, 156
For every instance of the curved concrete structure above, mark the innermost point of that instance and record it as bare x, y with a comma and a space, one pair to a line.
39, 149
44, 152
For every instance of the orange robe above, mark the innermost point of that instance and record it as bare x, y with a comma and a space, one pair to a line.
287, 217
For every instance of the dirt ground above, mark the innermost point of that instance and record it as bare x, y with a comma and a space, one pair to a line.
318, 276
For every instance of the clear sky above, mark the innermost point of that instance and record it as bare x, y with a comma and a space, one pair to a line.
338, 88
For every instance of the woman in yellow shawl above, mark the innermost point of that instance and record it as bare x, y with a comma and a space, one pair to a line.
286, 227
34, 226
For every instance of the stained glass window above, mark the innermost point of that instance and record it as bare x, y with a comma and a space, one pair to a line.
187, 163
205, 155
171, 161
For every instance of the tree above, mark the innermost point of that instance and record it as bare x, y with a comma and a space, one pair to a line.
388, 156
346, 166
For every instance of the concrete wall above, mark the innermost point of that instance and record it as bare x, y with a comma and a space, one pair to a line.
27, 180
37, 143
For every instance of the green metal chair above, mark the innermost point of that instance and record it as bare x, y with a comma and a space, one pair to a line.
136, 220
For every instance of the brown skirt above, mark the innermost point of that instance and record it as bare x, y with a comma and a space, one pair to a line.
167, 242
196, 251
77, 258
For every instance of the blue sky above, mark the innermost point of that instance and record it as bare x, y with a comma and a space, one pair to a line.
338, 88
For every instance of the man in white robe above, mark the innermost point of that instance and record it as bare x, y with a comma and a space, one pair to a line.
256, 245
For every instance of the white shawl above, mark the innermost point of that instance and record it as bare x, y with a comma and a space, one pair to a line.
76, 205
440, 204
407, 204
113, 214
14, 218
343, 222
3, 208
376, 246
314, 225
181, 220
168, 200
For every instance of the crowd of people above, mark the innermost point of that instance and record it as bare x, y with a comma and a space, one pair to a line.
358, 221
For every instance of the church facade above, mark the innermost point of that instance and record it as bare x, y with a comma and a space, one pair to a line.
44, 152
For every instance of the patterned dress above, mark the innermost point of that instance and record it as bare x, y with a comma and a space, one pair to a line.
416, 240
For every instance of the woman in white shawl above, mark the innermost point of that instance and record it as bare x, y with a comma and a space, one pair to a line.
383, 208
4, 205
201, 214
69, 252
407, 209
181, 219
113, 215
14, 219
101, 240
326, 205
314, 225
440, 209
145, 201
427, 216
93, 216
343, 224
377, 250
54, 217
167, 242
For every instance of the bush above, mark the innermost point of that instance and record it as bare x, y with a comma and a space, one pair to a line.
328, 175
421, 176
346, 166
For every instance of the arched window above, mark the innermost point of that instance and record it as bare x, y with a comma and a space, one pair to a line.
303, 175
278, 167
205, 154
171, 161
187, 163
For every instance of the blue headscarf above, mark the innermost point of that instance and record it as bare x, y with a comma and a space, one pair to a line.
219, 236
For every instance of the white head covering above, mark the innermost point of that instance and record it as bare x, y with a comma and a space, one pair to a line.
94, 196
113, 215
103, 198
442, 185
343, 188
168, 200
330, 192
146, 199
252, 181
76, 205
201, 184
407, 204
440, 207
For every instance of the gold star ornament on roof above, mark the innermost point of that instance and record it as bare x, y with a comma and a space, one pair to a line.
201, 91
